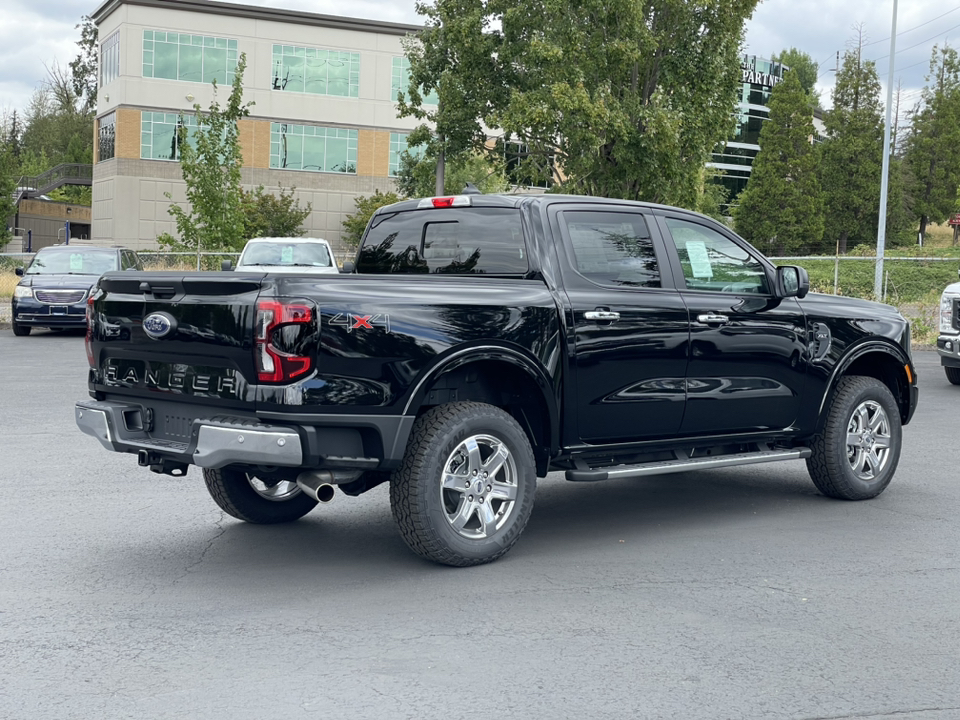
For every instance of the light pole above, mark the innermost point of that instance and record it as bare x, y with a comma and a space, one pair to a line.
885, 172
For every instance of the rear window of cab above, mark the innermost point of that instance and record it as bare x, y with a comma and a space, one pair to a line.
446, 241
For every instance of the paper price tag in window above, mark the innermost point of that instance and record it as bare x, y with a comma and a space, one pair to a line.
286, 254
76, 262
699, 259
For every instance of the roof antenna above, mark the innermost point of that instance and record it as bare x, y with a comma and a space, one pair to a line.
471, 189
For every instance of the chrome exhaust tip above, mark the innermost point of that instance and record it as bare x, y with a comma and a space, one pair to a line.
316, 484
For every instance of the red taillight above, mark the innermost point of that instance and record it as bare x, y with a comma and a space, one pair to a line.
88, 339
274, 365
443, 202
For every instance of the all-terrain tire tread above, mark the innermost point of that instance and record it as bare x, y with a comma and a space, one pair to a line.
824, 463
406, 505
953, 375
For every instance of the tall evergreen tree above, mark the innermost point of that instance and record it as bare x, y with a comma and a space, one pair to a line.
852, 155
781, 209
932, 153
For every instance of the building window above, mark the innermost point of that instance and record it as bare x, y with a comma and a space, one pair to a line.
191, 58
159, 139
320, 72
398, 146
401, 81
106, 137
110, 59
308, 147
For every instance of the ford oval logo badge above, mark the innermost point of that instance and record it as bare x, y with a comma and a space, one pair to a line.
158, 325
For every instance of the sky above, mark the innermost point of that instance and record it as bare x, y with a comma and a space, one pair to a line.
36, 34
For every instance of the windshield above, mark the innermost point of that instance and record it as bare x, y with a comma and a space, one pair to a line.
286, 254
79, 262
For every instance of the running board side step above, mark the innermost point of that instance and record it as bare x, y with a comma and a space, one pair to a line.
683, 465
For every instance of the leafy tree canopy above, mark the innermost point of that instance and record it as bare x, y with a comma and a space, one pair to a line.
269, 215
630, 97
416, 177
804, 66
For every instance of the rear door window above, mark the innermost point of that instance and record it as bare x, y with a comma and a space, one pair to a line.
451, 241
613, 248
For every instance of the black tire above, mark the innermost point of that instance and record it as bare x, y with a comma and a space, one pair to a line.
21, 330
953, 374
232, 490
845, 471
427, 511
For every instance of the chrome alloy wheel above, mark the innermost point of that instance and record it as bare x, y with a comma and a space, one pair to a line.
276, 492
479, 488
868, 440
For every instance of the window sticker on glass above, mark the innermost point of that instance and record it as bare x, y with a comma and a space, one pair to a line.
699, 259
76, 262
286, 254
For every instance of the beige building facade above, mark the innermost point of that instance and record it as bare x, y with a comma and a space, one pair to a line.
324, 119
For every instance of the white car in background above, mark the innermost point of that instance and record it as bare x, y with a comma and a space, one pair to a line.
286, 255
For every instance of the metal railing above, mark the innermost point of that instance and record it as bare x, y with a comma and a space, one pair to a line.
63, 174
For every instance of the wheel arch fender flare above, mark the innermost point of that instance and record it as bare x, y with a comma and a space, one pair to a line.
857, 353
497, 353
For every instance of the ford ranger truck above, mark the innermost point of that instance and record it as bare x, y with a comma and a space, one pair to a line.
478, 343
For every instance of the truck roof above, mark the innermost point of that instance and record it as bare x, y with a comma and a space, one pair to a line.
514, 200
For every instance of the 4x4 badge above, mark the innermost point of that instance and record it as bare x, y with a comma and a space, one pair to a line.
353, 322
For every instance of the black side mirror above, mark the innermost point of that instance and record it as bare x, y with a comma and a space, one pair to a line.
348, 267
19, 272
226, 265
792, 281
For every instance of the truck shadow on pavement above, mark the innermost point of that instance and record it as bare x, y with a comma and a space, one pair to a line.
359, 538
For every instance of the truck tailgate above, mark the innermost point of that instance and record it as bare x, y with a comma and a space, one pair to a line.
183, 336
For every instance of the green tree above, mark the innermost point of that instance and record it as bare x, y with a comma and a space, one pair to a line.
84, 67
932, 148
852, 155
355, 224
631, 98
56, 125
269, 215
416, 177
210, 160
9, 174
804, 66
781, 209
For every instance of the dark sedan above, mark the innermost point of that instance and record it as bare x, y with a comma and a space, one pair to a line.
55, 286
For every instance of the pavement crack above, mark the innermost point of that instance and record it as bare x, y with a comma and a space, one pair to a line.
203, 553
885, 714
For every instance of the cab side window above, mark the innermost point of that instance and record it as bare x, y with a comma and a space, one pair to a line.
713, 262
613, 248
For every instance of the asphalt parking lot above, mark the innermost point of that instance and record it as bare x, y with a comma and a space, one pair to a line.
736, 593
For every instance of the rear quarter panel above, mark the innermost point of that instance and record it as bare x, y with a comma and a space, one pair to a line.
380, 334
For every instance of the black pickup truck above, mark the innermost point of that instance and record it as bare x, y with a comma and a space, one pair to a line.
480, 342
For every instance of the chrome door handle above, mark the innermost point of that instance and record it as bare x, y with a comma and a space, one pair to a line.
602, 315
712, 319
